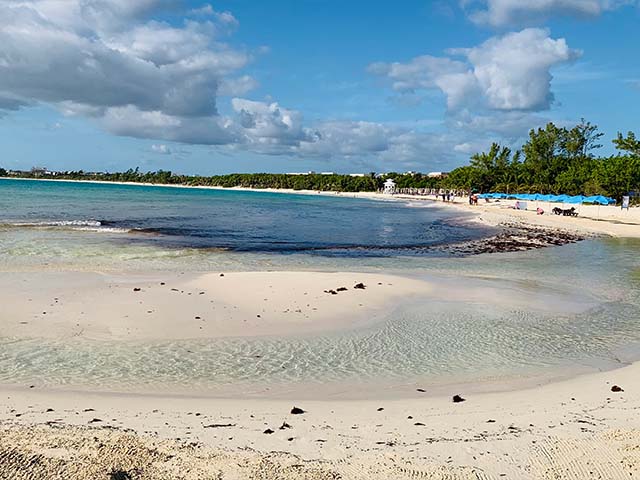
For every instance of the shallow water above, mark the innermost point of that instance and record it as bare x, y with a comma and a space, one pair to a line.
537, 312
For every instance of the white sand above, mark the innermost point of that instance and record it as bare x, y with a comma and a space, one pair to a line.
577, 429
103, 307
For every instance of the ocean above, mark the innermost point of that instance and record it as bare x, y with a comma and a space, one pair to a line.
64, 225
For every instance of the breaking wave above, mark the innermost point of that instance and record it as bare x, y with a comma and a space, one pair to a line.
82, 225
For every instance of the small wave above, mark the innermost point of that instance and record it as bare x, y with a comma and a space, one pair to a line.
57, 223
81, 225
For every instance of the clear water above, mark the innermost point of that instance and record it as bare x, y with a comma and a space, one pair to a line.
227, 220
584, 308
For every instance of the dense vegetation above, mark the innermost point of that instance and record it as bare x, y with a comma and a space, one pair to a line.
553, 160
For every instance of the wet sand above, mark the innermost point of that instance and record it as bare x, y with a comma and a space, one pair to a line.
172, 306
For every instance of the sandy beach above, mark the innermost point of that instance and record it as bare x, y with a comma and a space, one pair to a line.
593, 219
583, 427
576, 429
160, 306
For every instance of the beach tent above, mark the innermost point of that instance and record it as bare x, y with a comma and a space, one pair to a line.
599, 200
575, 199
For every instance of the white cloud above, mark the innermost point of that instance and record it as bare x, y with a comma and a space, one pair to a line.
267, 126
161, 149
59, 53
509, 72
114, 63
500, 13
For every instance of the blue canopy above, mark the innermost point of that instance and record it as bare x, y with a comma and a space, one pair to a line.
599, 200
575, 199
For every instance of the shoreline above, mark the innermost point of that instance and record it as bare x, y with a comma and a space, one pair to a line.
532, 427
591, 219
538, 432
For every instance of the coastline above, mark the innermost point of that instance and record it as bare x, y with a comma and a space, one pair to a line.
591, 219
573, 428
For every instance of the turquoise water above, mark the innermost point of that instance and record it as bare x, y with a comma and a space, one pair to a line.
582, 308
224, 220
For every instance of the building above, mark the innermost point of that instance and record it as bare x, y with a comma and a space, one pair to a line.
437, 174
389, 187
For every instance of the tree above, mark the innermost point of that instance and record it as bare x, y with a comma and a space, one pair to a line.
628, 143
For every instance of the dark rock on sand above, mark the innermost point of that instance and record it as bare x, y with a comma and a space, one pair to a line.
359, 286
616, 388
421, 390
297, 411
341, 289
380, 409
458, 399
284, 425
268, 431
137, 289
219, 425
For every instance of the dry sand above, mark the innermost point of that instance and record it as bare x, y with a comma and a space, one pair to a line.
577, 429
591, 219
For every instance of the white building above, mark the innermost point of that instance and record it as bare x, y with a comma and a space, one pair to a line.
389, 187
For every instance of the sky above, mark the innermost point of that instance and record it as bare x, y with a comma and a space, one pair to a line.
299, 85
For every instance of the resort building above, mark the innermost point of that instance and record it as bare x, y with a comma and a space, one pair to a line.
389, 187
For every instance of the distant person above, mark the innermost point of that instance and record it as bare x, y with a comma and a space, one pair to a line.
539, 211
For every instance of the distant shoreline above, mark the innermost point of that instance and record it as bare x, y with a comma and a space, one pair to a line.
591, 219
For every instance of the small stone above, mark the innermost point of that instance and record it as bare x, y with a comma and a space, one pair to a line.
268, 431
360, 286
616, 388
136, 289
458, 399
297, 411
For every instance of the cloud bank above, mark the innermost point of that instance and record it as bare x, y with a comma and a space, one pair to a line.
115, 63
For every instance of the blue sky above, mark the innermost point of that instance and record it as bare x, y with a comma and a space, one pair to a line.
245, 85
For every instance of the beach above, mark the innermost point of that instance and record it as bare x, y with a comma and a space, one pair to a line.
576, 429
593, 219
467, 364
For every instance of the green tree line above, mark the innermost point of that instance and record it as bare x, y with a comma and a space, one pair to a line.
554, 159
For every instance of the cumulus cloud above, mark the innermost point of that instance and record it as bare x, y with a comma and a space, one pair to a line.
500, 13
64, 53
508, 72
117, 64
